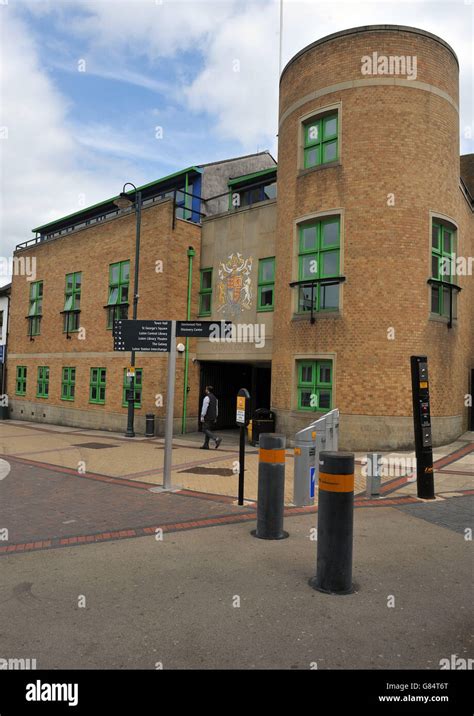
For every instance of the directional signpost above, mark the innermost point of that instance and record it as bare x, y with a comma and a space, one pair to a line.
160, 337
142, 336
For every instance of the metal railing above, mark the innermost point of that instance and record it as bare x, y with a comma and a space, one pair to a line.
146, 202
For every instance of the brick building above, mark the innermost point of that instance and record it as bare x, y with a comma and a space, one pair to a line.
336, 281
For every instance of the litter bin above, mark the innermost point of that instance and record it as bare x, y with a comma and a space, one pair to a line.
150, 425
263, 421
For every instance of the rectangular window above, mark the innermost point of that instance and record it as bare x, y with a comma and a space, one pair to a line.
137, 387
35, 310
266, 284
20, 385
117, 303
68, 384
97, 385
72, 301
205, 292
321, 141
442, 268
318, 258
42, 388
315, 385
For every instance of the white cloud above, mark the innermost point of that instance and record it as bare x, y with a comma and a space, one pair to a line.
50, 158
42, 161
239, 84
150, 27
243, 105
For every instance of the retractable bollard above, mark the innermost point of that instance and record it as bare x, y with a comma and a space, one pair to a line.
271, 487
374, 472
335, 523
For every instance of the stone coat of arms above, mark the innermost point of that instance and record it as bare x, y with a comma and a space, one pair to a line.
234, 288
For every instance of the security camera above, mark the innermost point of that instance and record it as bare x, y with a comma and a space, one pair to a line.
180, 347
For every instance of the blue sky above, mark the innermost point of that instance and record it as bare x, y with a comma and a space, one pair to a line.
204, 72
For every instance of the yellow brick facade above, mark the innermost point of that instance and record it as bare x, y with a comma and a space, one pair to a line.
398, 166
398, 169
162, 295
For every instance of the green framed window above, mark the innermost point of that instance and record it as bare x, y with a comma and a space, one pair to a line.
205, 292
119, 283
266, 284
68, 383
137, 387
42, 386
315, 385
98, 377
442, 264
35, 310
72, 302
20, 383
319, 253
321, 141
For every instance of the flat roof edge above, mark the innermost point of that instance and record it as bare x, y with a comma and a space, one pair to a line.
105, 202
369, 28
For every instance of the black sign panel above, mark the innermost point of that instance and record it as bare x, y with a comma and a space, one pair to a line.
203, 329
422, 426
142, 336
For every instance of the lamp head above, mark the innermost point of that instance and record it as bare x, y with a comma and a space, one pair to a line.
123, 201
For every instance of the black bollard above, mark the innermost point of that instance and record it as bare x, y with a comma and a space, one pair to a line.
271, 487
335, 523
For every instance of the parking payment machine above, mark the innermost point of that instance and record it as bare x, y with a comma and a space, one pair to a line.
321, 434
422, 425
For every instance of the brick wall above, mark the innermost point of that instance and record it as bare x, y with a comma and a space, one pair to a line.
394, 139
162, 295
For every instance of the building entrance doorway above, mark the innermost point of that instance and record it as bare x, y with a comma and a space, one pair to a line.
227, 378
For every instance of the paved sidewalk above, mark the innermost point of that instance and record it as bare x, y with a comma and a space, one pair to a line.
219, 598
214, 471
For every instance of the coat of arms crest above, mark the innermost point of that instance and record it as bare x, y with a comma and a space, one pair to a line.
234, 288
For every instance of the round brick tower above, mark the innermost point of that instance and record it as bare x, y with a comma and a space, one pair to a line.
368, 163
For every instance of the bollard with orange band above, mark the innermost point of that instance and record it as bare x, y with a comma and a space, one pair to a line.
335, 523
271, 487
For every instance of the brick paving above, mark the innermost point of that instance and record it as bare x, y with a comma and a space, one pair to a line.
39, 505
455, 514
64, 447
47, 502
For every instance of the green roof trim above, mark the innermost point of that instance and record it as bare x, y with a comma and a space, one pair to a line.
108, 201
254, 175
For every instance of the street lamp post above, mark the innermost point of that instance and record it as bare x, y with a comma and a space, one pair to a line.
123, 202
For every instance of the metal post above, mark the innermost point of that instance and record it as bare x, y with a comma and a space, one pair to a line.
335, 444
242, 420
271, 487
241, 464
191, 253
130, 433
374, 470
170, 409
335, 523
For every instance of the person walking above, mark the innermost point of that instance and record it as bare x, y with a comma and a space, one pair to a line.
209, 415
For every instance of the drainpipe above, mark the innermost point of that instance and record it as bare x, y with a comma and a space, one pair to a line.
191, 253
